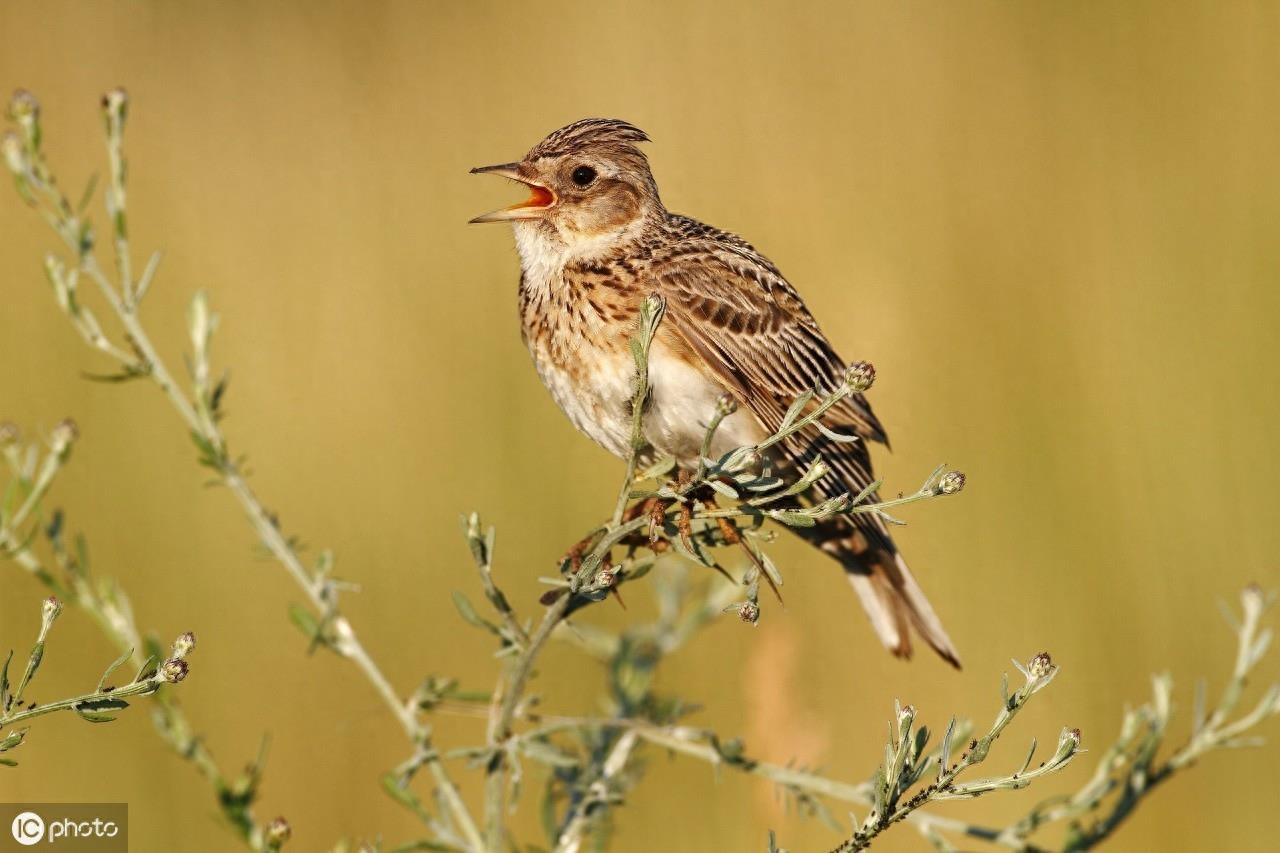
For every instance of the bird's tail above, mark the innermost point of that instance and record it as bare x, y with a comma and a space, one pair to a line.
888, 591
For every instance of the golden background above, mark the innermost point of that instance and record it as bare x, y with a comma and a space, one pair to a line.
1052, 226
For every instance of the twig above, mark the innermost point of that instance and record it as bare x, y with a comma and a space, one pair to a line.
201, 413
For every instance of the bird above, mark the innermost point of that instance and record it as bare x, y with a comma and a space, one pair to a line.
594, 240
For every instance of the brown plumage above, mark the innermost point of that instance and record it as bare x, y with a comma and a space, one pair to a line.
594, 239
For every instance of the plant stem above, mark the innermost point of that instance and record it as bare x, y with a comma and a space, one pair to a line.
149, 685
318, 593
570, 840
503, 716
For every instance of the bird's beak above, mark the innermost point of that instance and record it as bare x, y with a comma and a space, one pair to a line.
539, 200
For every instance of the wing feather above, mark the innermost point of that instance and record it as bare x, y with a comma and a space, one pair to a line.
735, 310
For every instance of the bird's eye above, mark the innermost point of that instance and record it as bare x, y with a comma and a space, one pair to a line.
583, 175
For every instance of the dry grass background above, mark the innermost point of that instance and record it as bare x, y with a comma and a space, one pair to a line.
1052, 226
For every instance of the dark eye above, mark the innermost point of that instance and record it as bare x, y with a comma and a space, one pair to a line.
583, 175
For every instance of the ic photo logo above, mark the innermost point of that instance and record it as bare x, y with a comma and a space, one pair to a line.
100, 827
27, 828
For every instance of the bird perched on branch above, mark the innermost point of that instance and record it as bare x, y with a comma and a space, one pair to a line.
594, 240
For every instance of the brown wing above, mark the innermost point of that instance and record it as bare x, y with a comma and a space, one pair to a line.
735, 310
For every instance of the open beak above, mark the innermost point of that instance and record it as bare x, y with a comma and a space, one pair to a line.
539, 200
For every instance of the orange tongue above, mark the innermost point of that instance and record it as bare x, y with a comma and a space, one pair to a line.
538, 197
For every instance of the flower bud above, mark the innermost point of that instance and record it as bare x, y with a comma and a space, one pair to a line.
726, 405
951, 482
9, 433
277, 832
183, 645
860, 376
1253, 600
64, 435
174, 670
50, 610
15, 155
749, 612
1040, 665
24, 108
115, 104
606, 578
1068, 743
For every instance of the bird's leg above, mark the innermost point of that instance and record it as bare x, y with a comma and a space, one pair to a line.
573, 557
732, 536
684, 522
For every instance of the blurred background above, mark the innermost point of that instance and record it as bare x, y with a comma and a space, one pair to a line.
1053, 227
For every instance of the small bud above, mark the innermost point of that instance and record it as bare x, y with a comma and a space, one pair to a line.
64, 435
606, 578
24, 108
9, 433
50, 610
726, 405
15, 155
1254, 601
278, 832
906, 715
951, 482
115, 104
1040, 665
751, 460
860, 376
183, 645
1068, 743
174, 670
749, 612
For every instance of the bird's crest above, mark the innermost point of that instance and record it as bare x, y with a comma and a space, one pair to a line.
608, 133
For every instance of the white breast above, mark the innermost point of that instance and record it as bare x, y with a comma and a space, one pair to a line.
682, 403
594, 384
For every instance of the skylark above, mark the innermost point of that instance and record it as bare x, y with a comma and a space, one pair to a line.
594, 239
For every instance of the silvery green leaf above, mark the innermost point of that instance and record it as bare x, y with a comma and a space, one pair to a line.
769, 567
1027, 763
735, 459
796, 408
889, 519
835, 436
723, 488
865, 493
752, 483
657, 469
106, 703
944, 755
547, 753
695, 555
112, 668
93, 717
14, 738
469, 613
4, 683
1259, 648
931, 482
144, 670
791, 517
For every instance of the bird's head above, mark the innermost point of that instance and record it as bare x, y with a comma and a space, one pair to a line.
588, 182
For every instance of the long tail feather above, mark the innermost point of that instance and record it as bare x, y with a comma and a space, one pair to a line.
887, 590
